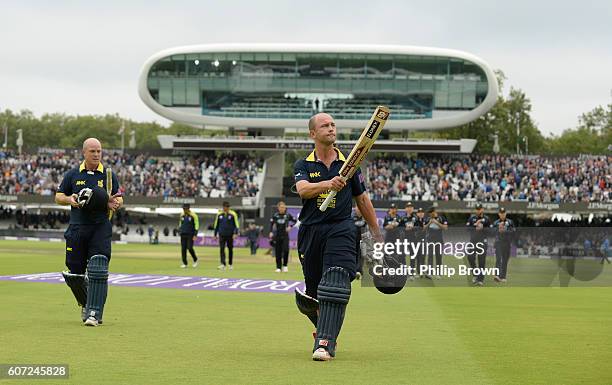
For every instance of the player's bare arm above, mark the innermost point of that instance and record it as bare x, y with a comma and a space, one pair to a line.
65, 200
308, 190
369, 214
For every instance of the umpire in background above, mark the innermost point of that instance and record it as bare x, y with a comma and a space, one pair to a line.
87, 188
188, 228
226, 230
504, 228
280, 226
478, 225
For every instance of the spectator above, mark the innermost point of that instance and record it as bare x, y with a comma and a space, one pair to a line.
493, 178
143, 175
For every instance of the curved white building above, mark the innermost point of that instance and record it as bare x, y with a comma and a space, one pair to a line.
282, 85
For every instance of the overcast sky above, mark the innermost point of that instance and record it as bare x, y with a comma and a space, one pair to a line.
58, 56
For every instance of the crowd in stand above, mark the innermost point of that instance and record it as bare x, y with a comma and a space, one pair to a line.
34, 218
488, 178
140, 175
483, 178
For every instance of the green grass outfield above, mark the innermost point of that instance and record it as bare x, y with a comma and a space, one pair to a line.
450, 335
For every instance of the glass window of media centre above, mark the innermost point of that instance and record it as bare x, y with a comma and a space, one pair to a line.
294, 85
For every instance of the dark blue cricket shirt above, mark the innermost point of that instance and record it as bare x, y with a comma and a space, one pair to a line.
79, 178
340, 208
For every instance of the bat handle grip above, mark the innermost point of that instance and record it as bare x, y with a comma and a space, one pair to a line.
325, 203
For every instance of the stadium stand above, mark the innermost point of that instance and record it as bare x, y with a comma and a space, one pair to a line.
407, 107
476, 177
492, 178
214, 176
292, 106
278, 106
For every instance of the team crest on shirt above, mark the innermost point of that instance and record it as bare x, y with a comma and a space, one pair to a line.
321, 198
100, 184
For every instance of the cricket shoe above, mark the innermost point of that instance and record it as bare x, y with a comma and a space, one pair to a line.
321, 355
221, 267
84, 315
277, 270
91, 321
183, 266
231, 267
195, 264
496, 279
285, 269
314, 336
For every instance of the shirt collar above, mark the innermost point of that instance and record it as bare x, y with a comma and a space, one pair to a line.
313, 157
100, 167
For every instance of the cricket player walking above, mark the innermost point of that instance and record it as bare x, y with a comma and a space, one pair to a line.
326, 237
93, 193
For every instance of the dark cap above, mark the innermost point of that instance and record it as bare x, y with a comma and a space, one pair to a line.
420, 210
409, 204
393, 206
502, 210
478, 206
226, 204
186, 205
431, 209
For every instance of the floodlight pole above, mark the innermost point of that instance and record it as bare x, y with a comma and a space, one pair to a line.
122, 136
518, 133
19, 140
5, 144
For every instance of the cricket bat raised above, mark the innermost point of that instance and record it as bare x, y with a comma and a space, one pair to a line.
361, 149
109, 188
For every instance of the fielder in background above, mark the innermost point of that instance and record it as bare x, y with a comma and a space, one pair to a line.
280, 226
420, 235
604, 249
189, 225
504, 228
410, 223
252, 234
435, 226
478, 225
391, 224
326, 239
226, 230
93, 194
